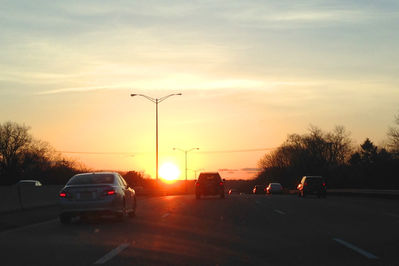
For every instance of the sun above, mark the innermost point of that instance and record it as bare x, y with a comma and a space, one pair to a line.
169, 172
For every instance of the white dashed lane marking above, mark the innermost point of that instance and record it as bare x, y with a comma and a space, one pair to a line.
357, 249
112, 253
280, 212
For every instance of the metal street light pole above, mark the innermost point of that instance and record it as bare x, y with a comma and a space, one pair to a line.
185, 155
156, 101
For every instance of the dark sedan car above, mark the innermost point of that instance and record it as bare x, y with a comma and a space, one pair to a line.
259, 189
274, 188
209, 184
101, 193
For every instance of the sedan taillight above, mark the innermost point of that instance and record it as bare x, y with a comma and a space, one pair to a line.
63, 194
109, 192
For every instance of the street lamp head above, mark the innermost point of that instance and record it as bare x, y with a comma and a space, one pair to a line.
179, 94
133, 94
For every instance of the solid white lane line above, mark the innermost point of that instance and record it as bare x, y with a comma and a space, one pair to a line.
27, 226
280, 212
112, 254
165, 215
357, 249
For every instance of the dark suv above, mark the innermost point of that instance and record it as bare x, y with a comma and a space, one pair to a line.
209, 184
312, 185
259, 189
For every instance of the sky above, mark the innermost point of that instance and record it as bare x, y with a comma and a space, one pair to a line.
250, 73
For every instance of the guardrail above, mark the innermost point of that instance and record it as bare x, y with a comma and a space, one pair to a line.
20, 197
16, 197
373, 193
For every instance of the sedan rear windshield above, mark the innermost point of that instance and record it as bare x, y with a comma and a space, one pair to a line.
91, 179
209, 177
314, 180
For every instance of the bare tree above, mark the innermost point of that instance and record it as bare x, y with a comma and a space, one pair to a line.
393, 136
14, 139
21, 157
316, 152
340, 146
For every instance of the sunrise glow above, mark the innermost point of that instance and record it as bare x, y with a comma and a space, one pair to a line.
169, 172
249, 74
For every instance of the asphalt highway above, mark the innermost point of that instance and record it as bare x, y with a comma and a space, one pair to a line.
238, 230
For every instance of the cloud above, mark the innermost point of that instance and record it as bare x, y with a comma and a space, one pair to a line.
246, 169
292, 16
227, 170
251, 169
79, 89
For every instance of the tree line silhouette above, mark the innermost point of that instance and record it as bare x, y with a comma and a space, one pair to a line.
332, 155
23, 157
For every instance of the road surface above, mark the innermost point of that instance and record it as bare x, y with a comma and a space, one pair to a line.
238, 230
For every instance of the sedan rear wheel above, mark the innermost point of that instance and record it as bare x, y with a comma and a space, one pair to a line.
121, 215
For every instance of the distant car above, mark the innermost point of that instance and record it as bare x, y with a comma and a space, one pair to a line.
315, 185
258, 189
29, 183
274, 188
100, 193
234, 191
209, 183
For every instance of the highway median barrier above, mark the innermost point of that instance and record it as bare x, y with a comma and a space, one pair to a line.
15, 198
370, 193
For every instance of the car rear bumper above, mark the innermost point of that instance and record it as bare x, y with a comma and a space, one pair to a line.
105, 206
209, 192
276, 192
310, 191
